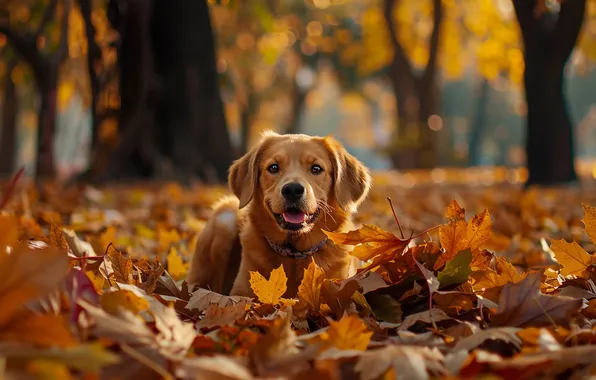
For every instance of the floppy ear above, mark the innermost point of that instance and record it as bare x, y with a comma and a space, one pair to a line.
243, 178
352, 181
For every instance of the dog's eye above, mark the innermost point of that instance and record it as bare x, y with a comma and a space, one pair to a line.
273, 168
316, 169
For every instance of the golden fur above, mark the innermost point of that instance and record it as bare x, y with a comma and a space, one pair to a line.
234, 239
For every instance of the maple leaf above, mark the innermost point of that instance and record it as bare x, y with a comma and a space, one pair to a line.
217, 367
589, 221
269, 291
407, 362
505, 334
121, 266
56, 238
571, 256
454, 234
78, 247
523, 304
384, 307
504, 273
479, 230
310, 288
339, 298
370, 241
42, 330
349, 333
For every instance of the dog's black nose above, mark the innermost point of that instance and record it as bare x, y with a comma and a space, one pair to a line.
292, 191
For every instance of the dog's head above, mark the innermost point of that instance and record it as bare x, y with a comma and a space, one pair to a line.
298, 177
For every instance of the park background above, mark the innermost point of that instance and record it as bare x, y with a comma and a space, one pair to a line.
310, 66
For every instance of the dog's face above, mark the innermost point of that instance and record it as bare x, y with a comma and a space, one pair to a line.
298, 177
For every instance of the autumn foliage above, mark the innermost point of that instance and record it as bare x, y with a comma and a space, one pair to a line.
92, 287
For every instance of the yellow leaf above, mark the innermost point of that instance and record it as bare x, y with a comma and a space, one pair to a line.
45, 369
310, 287
479, 230
101, 243
113, 301
453, 235
589, 221
571, 256
504, 274
167, 238
269, 291
176, 267
349, 333
97, 280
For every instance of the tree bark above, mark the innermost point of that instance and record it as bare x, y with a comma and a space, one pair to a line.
9, 122
548, 42
297, 104
479, 124
416, 95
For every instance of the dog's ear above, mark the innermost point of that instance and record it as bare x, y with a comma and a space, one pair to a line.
352, 180
243, 178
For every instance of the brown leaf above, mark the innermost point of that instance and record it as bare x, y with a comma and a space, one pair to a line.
56, 238
370, 241
338, 299
216, 315
505, 334
122, 267
523, 304
202, 298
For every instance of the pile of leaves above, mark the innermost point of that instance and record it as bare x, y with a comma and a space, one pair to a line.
93, 287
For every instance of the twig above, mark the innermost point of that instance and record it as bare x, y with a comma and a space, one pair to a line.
146, 361
396, 218
11, 186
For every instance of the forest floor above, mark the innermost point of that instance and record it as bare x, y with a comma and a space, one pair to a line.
503, 284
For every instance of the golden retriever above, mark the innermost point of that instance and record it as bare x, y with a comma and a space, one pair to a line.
288, 188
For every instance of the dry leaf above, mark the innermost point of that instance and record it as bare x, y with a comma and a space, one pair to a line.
216, 367
177, 268
407, 362
202, 298
590, 221
269, 291
310, 288
453, 235
349, 333
523, 304
216, 315
113, 301
122, 267
571, 256
479, 230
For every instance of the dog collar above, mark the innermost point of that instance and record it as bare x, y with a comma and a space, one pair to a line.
288, 250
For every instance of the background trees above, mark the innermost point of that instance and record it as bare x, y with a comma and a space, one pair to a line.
163, 104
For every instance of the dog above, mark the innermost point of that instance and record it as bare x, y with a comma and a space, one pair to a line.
287, 190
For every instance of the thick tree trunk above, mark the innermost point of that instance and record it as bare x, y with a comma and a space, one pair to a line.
246, 119
9, 122
548, 42
479, 123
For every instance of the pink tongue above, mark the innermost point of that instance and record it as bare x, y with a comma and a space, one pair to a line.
294, 217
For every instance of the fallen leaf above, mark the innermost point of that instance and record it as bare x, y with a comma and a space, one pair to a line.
218, 367
349, 333
406, 362
338, 298
216, 315
41, 330
589, 221
426, 317
176, 266
78, 247
384, 307
523, 304
202, 298
503, 274
453, 235
121, 266
113, 301
479, 230
505, 334
269, 291
457, 269
310, 288
571, 256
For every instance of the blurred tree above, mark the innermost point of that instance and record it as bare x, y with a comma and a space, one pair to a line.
9, 117
549, 32
31, 46
171, 119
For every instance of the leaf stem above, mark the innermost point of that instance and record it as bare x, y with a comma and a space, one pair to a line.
396, 218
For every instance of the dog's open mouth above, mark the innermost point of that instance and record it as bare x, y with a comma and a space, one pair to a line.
294, 219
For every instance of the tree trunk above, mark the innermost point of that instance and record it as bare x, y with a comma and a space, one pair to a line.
46, 126
297, 104
9, 122
548, 42
416, 96
479, 124
246, 119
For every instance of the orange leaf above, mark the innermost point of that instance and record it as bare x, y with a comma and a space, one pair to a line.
370, 241
479, 230
349, 333
310, 287
122, 267
453, 235
38, 329
589, 221
571, 256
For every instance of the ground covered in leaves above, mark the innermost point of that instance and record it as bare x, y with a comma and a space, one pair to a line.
456, 282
